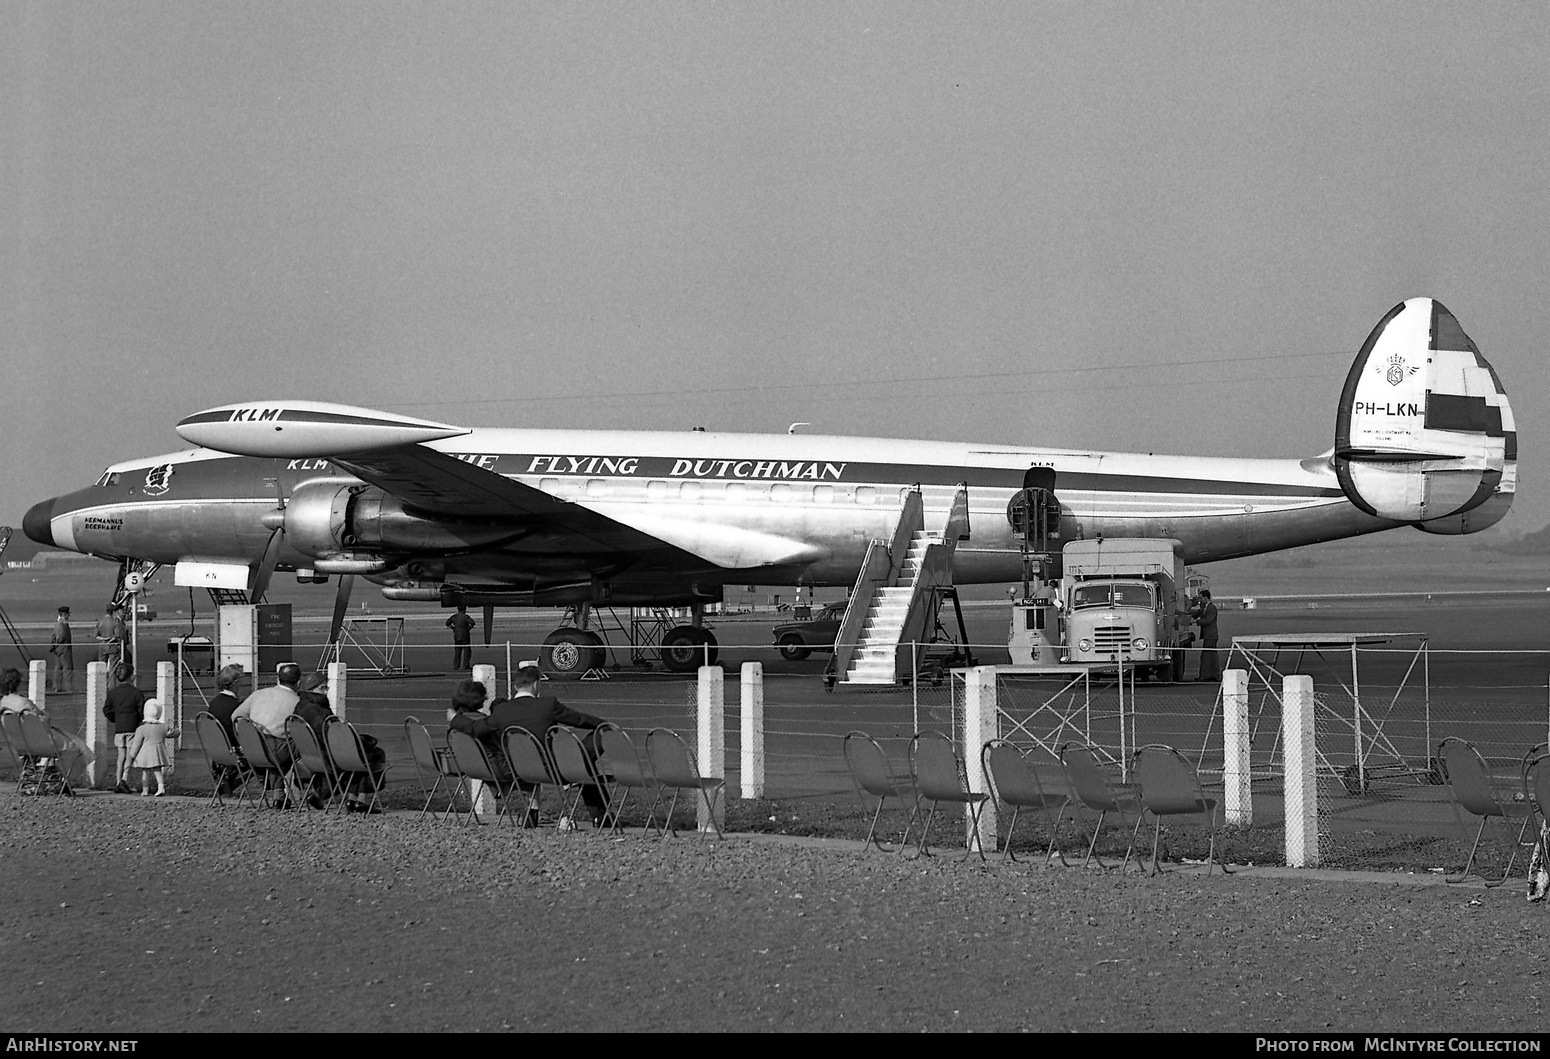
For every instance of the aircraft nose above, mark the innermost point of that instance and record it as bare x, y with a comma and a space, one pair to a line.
38, 523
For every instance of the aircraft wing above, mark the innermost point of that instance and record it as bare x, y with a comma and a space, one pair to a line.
438, 484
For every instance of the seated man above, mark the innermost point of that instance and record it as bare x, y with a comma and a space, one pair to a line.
268, 708
538, 713
227, 779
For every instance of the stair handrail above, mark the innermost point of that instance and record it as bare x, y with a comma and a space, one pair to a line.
912, 520
873, 573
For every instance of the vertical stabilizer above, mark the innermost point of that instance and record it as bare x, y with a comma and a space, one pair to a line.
1424, 433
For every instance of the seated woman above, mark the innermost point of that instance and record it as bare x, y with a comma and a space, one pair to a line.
467, 702
37, 771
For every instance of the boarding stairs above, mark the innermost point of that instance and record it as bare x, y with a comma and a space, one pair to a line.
897, 595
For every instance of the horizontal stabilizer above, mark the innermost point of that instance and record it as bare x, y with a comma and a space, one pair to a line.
1424, 432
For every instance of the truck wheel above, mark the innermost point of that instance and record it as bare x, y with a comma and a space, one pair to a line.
792, 649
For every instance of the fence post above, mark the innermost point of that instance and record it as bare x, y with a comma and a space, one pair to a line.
96, 723
167, 692
979, 727
338, 688
712, 739
751, 773
480, 798
1301, 781
37, 683
1237, 790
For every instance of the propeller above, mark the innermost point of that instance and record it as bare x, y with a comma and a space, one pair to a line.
258, 584
341, 605
489, 622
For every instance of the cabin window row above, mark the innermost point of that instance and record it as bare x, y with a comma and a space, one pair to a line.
733, 492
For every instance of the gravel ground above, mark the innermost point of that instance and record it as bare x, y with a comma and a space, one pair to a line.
127, 914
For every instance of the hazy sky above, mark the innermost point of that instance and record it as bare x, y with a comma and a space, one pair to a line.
1154, 227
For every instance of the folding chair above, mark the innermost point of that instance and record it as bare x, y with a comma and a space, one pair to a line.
1014, 782
1092, 789
869, 772
1469, 781
472, 760
219, 752
347, 755
259, 749
1536, 792
623, 763
939, 776
11, 728
312, 760
531, 768
1170, 786
575, 767
42, 742
673, 764
428, 758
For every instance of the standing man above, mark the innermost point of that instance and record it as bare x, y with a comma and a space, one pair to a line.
462, 627
1205, 617
63, 650
110, 637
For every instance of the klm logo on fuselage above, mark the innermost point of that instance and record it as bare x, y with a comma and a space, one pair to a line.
254, 415
1373, 408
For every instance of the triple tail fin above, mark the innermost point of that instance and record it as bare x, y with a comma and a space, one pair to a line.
1424, 433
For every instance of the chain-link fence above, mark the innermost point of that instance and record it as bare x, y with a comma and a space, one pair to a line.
1380, 711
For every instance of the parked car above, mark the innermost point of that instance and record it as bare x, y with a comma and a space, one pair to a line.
798, 639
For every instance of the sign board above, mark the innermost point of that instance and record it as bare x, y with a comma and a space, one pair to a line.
211, 575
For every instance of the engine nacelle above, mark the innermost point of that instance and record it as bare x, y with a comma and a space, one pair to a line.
329, 518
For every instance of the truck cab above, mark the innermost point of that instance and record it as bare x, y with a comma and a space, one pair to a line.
1120, 598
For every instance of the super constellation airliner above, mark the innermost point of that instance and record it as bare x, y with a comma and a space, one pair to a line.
1424, 437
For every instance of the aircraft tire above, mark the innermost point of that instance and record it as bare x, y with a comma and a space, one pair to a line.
682, 650
792, 649
568, 653
705, 636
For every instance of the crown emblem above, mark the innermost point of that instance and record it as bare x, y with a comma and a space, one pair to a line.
1396, 372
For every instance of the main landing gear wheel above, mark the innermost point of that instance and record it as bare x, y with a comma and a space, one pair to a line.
792, 648
683, 649
571, 652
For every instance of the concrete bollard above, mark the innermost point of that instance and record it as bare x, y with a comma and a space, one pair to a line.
712, 750
167, 693
751, 773
337, 688
97, 728
1237, 792
479, 795
979, 727
1301, 779
37, 683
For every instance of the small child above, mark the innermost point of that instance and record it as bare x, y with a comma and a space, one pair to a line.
124, 706
149, 752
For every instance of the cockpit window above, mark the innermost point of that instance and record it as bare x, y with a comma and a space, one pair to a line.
108, 478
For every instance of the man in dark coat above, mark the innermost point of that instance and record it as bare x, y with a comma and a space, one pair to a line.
1205, 617
227, 779
462, 627
538, 713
